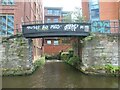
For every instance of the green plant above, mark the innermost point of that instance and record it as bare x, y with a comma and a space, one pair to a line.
88, 38
65, 55
4, 40
75, 60
39, 62
112, 69
71, 53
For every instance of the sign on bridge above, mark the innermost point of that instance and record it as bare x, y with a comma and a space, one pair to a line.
56, 29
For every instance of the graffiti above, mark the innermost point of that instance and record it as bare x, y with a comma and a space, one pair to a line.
101, 26
55, 26
71, 27
33, 27
66, 27
45, 27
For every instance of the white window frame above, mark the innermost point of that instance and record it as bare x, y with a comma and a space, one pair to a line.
56, 42
6, 15
49, 42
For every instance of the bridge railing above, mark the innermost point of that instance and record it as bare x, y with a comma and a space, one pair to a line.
32, 22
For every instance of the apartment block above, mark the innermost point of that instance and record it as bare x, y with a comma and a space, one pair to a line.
52, 14
105, 14
101, 10
14, 13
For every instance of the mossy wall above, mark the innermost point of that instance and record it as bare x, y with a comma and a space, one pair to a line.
100, 50
15, 55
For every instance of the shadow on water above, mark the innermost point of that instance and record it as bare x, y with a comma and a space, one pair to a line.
59, 75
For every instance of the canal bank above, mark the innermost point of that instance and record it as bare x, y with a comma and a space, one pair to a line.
24, 71
59, 75
100, 55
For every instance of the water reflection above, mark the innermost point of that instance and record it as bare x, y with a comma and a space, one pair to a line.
59, 75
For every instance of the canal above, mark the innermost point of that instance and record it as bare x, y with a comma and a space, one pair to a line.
59, 75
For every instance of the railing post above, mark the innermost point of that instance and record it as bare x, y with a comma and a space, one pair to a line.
30, 57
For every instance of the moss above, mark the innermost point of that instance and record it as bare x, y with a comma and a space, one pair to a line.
16, 71
4, 40
75, 60
20, 71
112, 69
39, 63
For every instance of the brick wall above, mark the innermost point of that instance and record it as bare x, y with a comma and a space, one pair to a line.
85, 9
55, 49
108, 10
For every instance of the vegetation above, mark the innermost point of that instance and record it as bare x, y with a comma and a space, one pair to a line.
112, 69
70, 58
75, 16
23, 70
65, 56
51, 57
75, 61
39, 63
68, 18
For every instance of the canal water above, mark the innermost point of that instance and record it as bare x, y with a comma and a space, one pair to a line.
59, 75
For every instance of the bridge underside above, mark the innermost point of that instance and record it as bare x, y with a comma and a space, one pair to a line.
58, 34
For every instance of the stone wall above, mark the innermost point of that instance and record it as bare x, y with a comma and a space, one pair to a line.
15, 54
100, 50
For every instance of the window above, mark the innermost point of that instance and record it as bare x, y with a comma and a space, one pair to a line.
66, 41
93, 2
7, 24
56, 42
53, 12
95, 6
56, 12
7, 2
48, 42
48, 20
55, 20
95, 13
49, 11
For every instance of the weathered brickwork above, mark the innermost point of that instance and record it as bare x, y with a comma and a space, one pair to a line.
100, 50
15, 54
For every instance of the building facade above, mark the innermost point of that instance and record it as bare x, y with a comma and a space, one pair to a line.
105, 14
101, 10
13, 14
52, 14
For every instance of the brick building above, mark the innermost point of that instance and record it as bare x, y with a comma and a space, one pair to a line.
104, 13
52, 14
53, 45
13, 14
101, 10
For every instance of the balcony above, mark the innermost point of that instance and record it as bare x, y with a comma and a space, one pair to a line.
52, 14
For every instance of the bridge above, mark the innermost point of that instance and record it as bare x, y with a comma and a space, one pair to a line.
56, 30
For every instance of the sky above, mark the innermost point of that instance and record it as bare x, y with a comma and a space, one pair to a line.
67, 5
